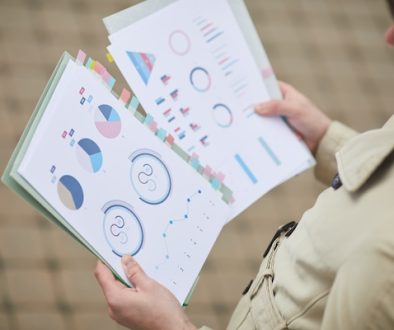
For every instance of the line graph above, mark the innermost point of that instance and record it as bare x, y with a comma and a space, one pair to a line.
186, 216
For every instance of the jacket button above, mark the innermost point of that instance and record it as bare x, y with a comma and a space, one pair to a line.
336, 182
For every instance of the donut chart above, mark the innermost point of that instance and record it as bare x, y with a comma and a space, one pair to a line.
150, 177
70, 192
200, 79
107, 121
222, 115
89, 155
179, 42
122, 228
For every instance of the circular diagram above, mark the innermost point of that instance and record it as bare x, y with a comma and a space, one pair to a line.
179, 42
122, 229
222, 115
89, 155
70, 192
150, 177
200, 79
107, 121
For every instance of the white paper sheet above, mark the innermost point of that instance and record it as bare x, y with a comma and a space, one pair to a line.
119, 186
191, 68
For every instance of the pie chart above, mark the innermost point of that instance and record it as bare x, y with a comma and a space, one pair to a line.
107, 121
70, 192
89, 155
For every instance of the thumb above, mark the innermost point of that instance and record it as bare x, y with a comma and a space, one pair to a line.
134, 272
273, 108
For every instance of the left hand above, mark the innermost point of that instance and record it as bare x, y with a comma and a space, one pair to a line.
147, 305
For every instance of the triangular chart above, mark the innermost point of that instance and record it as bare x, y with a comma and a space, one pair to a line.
143, 63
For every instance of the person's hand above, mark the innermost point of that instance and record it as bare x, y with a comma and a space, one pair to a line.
148, 305
308, 120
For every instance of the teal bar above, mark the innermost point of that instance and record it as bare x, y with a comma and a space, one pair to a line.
269, 151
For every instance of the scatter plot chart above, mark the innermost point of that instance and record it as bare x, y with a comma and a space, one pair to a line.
185, 217
70, 192
122, 228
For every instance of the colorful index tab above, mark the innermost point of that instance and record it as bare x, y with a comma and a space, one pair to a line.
81, 56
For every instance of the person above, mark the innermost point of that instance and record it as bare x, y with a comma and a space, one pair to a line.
334, 270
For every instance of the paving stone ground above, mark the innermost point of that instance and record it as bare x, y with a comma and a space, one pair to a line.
332, 50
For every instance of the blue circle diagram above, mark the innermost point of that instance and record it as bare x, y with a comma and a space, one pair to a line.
70, 192
222, 115
200, 79
122, 228
150, 177
89, 155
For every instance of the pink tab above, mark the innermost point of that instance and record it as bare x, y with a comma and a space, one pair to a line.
194, 156
207, 171
153, 126
99, 68
170, 139
81, 56
106, 76
267, 72
125, 95
220, 176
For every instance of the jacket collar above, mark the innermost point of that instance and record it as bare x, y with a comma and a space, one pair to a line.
359, 158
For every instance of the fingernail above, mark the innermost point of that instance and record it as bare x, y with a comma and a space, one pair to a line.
126, 260
260, 108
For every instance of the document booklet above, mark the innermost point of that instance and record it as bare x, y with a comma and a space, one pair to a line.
130, 174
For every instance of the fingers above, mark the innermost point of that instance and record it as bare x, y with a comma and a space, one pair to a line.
273, 108
284, 88
134, 272
107, 281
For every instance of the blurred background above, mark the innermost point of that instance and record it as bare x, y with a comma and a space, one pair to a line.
332, 50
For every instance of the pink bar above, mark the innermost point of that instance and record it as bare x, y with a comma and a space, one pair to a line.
206, 27
147, 61
125, 95
224, 60
81, 56
194, 156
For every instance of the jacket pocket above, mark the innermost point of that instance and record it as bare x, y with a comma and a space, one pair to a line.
242, 317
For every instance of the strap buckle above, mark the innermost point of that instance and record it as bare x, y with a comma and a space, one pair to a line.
286, 230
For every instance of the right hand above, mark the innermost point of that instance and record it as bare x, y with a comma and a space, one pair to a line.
307, 119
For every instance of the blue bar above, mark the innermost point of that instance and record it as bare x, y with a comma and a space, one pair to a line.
215, 36
269, 151
245, 168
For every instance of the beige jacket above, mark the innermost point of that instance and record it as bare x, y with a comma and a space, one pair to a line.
336, 270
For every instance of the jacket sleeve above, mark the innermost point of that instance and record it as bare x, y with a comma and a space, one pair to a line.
362, 296
336, 136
